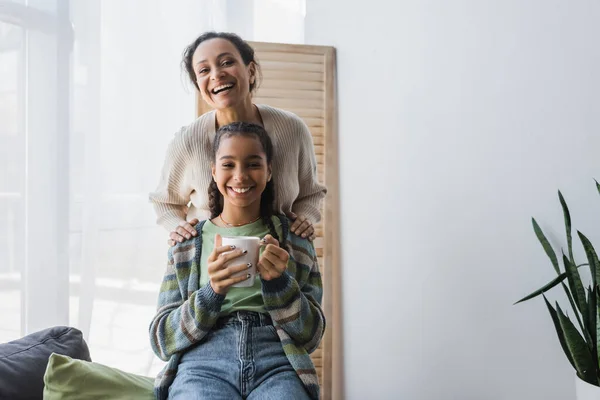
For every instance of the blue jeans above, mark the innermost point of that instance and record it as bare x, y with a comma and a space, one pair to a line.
241, 358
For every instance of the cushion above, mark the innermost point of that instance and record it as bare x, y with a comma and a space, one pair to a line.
67, 379
23, 361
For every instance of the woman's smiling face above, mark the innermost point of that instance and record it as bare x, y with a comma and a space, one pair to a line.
222, 77
241, 171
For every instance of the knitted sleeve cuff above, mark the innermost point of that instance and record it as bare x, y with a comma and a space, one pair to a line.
280, 284
309, 209
213, 300
170, 219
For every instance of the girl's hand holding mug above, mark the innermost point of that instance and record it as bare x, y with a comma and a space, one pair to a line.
273, 261
220, 276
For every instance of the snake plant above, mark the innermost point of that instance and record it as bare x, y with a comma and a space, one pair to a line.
579, 339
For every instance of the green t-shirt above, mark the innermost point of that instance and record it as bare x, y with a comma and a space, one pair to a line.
237, 298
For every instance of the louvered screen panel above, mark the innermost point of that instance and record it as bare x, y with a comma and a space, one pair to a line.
300, 79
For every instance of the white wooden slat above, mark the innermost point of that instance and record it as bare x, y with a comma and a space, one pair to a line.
290, 57
293, 76
290, 93
316, 131
318, 140
261, 47
290, 66
314, 122
290, 84
307, 112
290, 102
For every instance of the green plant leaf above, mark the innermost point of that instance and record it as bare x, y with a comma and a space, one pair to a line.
576, 286
592, 303
580, 353
597, 329
545, 244
592, 257
559, 332
573, 306
546, 287
590, 321
567, 215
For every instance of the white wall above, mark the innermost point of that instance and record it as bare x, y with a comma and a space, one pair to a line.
458, 121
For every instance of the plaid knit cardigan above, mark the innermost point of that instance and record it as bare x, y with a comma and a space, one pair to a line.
187, 313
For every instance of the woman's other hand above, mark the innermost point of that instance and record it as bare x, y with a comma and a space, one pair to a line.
302, 226
183, 232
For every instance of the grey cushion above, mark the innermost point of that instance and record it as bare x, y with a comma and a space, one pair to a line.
23, 361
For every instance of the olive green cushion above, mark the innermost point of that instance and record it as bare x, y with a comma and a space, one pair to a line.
67, 378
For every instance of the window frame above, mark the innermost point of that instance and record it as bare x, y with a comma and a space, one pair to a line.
45, 120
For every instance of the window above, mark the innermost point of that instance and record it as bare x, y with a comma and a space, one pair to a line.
12, 177
91, 93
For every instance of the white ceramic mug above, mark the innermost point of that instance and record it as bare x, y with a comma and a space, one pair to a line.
252, 245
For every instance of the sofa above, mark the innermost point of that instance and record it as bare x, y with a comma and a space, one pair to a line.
55, 364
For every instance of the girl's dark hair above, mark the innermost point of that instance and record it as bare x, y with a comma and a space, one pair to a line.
267, 199
246, 51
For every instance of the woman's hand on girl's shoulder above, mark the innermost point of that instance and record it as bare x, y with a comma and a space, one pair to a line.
273, 260
301, 226
183, 232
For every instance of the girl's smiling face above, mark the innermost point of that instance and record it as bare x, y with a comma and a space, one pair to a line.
241, 171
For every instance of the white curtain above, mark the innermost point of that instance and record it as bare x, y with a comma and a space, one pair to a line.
91, 93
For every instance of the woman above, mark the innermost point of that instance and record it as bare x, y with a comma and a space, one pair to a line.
225, 342
223, 68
